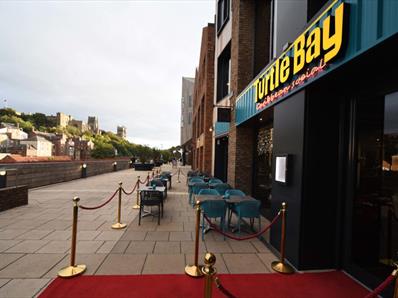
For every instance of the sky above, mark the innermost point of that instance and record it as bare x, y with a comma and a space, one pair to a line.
122, 61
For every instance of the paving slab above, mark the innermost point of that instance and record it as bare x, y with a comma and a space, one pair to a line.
86, 247
28, 246
23, 288
244, 263
56, 246
164, 264
122, 264
140, 247
6, 244
157, 236
167, 247
7, 259
34, 234
180, 236
106, 247
31, 266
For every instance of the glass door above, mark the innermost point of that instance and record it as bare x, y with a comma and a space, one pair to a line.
374, 217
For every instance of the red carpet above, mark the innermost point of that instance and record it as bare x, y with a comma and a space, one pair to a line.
309, 285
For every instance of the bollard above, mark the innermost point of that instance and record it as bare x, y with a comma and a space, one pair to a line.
84, 170
137, 203
148, 176
115, 166
178, 176
119, 225
280, 266
195, 269
3, 178
209, 271
73, 269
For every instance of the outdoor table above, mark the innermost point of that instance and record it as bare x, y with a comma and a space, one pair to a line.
202, 198
151, 189
237, 199
232, 200
191, 184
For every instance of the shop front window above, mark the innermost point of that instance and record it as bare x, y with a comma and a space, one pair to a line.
375, 206
263, 168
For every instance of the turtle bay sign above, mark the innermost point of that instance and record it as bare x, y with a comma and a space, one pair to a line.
306, 58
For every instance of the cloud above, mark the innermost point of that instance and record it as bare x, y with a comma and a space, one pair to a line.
119, 60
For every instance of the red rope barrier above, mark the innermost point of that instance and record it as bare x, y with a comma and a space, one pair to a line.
102, 205
129, 193
213, 226
222, 289
145, 181
381, 287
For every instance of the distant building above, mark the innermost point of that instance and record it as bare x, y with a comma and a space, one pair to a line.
81, 125
63, 119
37, 146
186, 119
202, 123
122, 132
14, 132
92, 124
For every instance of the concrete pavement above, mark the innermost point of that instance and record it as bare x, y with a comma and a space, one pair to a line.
35, 239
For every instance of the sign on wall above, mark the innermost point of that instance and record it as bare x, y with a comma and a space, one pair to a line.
304, 59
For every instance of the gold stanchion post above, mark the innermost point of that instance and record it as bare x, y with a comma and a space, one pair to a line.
195, 269
280, 266
73, 269
209, 271
119, 225
137, 203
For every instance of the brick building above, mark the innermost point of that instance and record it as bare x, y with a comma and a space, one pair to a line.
319, 128
186, 119
203, 104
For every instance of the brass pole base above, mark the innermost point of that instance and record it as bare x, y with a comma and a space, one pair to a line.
282, 268
194, 271
118, 226
71, 271
136, 207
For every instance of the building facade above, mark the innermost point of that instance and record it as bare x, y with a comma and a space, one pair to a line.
122, 131
314, 107
203, 104
92, 123
186, 119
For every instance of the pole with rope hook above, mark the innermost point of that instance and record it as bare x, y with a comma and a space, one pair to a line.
281, 266
137, 202
195, 269
119, 225
73, 269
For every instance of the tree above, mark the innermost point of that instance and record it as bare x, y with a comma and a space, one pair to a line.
102, 150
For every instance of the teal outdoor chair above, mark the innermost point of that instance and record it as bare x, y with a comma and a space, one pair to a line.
193, 180
215, 181
213, 209
221, 188
209, 191
234, 192
248, 209
196, 188
231, 207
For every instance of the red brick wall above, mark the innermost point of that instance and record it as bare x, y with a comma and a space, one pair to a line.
203, 101
12, 197
241, 140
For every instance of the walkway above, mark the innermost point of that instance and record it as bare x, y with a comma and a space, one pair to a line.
35, 239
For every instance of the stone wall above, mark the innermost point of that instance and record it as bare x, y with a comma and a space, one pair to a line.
45, 173
11, 197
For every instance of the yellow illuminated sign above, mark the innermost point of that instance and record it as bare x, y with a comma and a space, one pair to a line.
321, 42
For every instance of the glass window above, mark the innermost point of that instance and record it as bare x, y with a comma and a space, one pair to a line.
375, 204
263, 168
